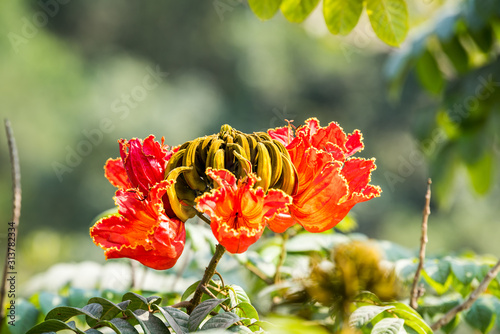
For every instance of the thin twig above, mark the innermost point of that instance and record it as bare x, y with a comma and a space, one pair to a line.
182, 304
208, 292
16, 210
470, 300
224, 307
221, 279
281, 261
209, 273
415, 292
202, 217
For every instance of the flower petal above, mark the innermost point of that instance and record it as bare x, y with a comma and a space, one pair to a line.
141, 227
284, 134
329, 185
331, 138
316, 207
144, 161
116, 174
309, 129
354, 143
239, 212
281, 222
357, 173
167, 244
333, 134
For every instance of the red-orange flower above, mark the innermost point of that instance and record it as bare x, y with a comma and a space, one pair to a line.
330, 181
238, 212
141, 230
144, 162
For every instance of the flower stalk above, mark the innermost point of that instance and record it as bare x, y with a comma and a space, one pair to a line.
209, 273
16, 211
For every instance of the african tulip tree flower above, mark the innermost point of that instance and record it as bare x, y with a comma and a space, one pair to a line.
330, 182
142, 229
243, 182
238, 212
141, 165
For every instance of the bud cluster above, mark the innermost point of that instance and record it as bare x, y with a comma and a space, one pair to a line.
234, 151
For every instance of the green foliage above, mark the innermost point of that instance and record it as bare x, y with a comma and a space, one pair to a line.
447, 280
386, 317
388, 18
455, 58
342, 16
138, 314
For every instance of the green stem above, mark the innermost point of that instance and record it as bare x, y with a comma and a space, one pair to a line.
202, 217
209, 273
281, 261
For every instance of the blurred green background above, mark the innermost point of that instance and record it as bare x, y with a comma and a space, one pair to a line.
76, 77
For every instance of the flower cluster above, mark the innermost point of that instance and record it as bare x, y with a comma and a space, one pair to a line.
243, 182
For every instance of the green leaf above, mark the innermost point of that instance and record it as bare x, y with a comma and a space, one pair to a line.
65, 313
494, 288
297, 10
472, 145
190, 290
411, 317
367, 297
365, 314
481, 174
341, 16
456, 53
120, 325
264, 9
239, 329
290, 324
389, 326
221, 320
109, 309
136, 301
93, 331
148, 322
464, 270
177, 319
246, 310
437, 270
26, 316
429, 74
484, 39
237, 295
53, 325
154, 300
481, 315
438, 277
200, 312
432, 305
389, 20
